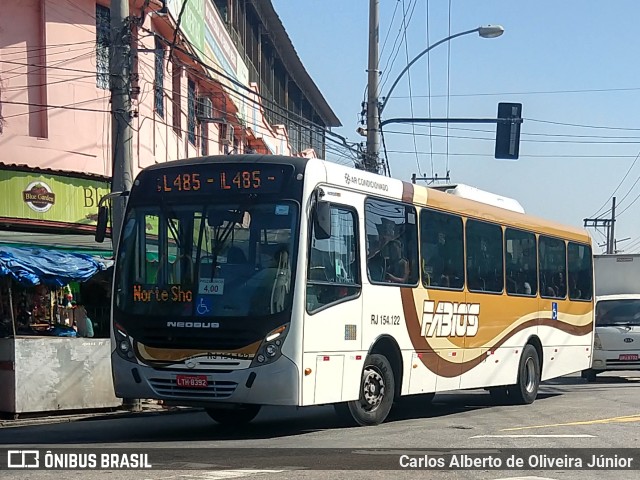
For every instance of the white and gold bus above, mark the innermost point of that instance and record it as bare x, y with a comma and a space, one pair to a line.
248, 280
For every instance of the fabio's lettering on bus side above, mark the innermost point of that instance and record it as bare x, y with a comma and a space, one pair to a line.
156, 294
449, 319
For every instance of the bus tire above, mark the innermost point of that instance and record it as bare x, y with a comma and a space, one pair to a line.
525, 390
234, 416
377, 389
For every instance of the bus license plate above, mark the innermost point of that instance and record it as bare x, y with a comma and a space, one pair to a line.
628, 356
191, 381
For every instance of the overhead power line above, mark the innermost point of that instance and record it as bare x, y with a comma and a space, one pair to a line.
619, 185
579, 125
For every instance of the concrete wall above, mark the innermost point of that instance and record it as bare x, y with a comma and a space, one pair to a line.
57, 373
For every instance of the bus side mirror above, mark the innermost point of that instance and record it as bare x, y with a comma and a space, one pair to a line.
322, 220
101, 228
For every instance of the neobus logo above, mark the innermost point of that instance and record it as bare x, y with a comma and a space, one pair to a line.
449, 319
193, 324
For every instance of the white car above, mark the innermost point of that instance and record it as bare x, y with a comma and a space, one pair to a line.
617, 337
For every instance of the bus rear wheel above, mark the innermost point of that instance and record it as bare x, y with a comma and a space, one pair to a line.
234, 416
377, 389
525, 390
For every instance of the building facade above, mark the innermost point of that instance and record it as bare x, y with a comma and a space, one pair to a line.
207, 77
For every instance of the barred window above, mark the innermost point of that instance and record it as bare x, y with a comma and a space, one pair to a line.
103, 41
176, 97
158, 87
191, 111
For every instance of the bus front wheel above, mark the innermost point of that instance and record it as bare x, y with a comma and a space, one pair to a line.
377, 389
526, 389
234, 416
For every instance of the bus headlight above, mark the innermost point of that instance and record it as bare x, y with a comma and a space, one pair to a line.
271, 348
123, 344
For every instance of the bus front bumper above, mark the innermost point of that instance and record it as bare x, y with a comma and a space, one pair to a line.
607, 360
272, 384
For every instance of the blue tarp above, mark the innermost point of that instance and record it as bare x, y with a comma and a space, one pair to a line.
33, 266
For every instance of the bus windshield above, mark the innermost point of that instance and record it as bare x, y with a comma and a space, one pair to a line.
203, 260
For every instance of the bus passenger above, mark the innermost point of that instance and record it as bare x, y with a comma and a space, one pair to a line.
398, 267
438, 267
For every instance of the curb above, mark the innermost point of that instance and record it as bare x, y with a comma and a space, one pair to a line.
116, 415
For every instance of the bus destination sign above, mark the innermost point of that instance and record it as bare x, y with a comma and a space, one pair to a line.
220, 179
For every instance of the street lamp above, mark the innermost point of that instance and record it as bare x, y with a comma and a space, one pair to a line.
374, 109
487, 31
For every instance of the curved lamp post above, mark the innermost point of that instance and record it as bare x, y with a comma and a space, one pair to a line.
487, 31
374, 108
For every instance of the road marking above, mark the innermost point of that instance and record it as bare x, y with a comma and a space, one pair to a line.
217, 475
533, 436
223, 474
525, 478
628, 418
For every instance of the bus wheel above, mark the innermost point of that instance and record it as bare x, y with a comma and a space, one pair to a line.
526, 390
376, 394
234, 416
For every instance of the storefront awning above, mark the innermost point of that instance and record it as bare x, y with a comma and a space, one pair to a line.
31, 266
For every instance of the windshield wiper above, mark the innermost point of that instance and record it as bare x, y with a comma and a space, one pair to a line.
172, 227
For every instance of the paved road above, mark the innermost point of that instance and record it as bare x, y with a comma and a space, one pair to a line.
568, 413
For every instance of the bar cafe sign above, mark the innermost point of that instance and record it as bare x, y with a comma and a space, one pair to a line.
39, 196
51, 198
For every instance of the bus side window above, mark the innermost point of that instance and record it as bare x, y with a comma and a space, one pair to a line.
553, 266
333, 272
441, 249
580, 268
484, 256
520, 263
392, 243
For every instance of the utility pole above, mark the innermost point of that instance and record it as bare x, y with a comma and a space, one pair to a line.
121, 131
373, 113
612, 244
608, 223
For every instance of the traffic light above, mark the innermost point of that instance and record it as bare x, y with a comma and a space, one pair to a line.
508, 132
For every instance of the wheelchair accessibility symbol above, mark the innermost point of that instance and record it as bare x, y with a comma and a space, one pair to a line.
205, 306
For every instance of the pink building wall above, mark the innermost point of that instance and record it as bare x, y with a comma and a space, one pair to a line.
61, 36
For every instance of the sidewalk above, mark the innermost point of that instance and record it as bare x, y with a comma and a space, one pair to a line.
149, 408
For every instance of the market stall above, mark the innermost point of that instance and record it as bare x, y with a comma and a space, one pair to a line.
54, 334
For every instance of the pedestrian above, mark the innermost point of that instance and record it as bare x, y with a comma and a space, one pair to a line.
83, 322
